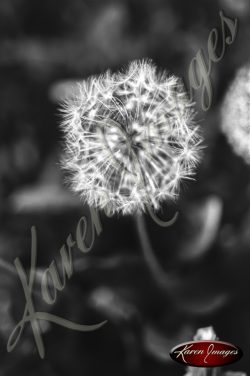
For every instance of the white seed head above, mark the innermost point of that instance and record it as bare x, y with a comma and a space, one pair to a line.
205, 334
130, 139
235, 115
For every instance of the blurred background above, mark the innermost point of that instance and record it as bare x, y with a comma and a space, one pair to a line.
45, 46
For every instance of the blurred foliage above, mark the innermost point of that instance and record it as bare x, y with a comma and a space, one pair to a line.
44, 43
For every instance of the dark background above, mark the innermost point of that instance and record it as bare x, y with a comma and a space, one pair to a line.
207, 252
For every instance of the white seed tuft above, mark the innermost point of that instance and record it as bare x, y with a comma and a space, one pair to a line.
130, 139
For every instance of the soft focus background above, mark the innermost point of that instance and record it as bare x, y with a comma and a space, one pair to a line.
44, 46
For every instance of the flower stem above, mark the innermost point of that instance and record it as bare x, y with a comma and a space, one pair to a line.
160, 276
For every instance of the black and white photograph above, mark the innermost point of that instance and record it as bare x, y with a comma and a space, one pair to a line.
124, 187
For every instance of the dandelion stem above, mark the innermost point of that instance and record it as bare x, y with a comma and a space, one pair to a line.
159, 275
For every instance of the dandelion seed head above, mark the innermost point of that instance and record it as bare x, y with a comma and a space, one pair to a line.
235, 114
205, 334
130, 139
